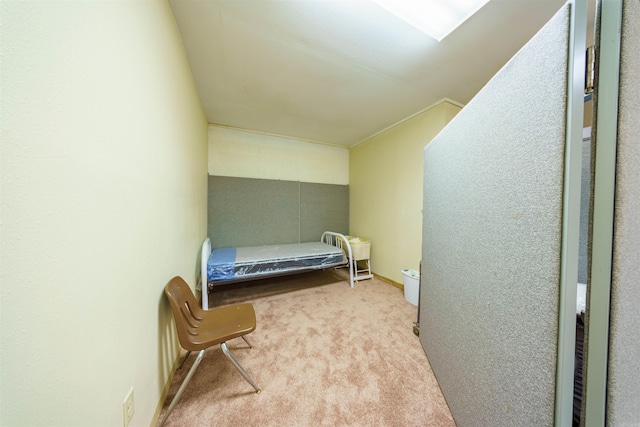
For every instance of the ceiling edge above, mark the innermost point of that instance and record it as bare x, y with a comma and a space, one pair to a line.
312, 141
435, 104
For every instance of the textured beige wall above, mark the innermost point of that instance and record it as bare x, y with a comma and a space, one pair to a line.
623, 393
245, 154
104, 174
493, 201
385, 179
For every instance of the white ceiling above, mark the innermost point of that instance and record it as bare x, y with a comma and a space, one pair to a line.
337, 72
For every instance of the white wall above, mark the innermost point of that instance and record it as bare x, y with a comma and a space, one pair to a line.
104, 174
245, 154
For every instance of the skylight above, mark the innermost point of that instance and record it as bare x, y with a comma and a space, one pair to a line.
436, 18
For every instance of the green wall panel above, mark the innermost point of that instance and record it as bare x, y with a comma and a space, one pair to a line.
253, 212
323, 207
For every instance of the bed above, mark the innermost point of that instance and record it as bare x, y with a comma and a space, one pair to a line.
238, 264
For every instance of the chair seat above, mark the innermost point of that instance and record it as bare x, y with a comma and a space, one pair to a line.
222, 324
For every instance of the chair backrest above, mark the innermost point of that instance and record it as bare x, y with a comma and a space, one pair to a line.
186, 312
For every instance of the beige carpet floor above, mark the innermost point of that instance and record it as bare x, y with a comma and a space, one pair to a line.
324, 355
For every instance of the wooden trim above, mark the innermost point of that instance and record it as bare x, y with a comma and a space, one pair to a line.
167, 386
389, 281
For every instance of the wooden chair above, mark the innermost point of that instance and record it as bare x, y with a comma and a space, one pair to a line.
200, 329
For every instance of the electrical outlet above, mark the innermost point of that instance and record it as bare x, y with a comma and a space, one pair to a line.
128, 407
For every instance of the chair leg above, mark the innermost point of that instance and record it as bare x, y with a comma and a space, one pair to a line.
244, 373
244, 337
183, 386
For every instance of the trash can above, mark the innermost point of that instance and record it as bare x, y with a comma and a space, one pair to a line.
411, 285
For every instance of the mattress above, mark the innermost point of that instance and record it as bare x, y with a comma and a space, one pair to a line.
250, 262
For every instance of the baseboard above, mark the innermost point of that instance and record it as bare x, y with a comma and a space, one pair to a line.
167, 386
389, 281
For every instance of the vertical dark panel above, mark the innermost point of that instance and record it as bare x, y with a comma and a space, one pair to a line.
492, 241
252, 212
323, 207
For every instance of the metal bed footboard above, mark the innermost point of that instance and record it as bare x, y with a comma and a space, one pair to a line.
340, 241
